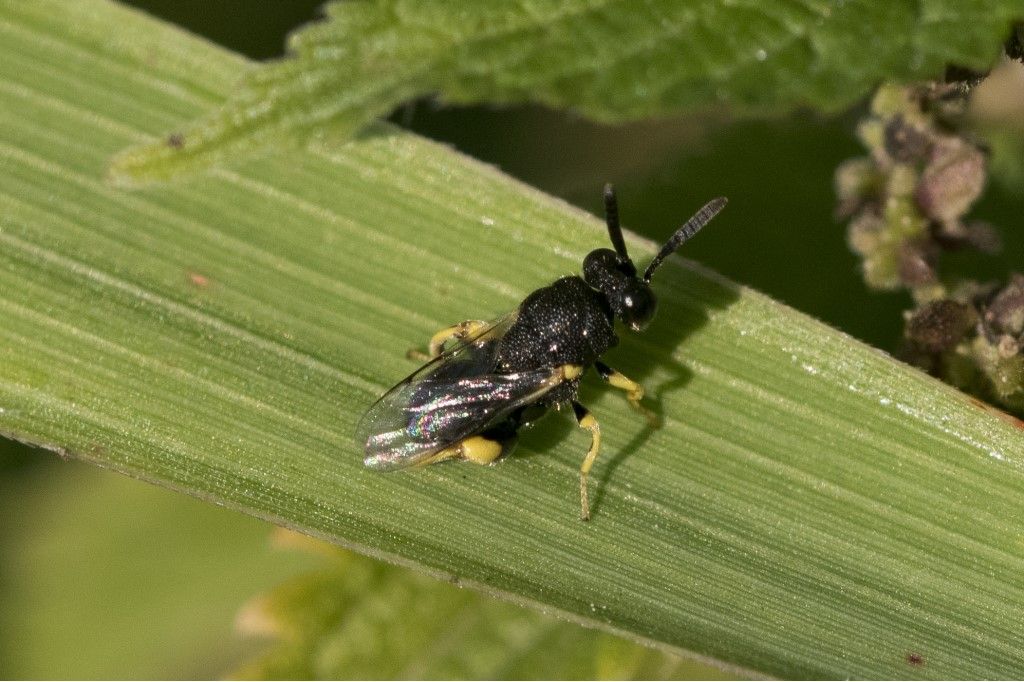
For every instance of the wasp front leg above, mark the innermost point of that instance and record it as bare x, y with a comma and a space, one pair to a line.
634, 391
587, 421
456, 332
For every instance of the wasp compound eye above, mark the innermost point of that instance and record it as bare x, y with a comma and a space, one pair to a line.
636, 305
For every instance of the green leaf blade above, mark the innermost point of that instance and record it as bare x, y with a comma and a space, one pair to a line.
809, 508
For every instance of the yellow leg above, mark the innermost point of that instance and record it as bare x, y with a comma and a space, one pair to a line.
476, 449
458, 331
569, 372
437, 341
559, 374
634, 391
587, 421
480, 450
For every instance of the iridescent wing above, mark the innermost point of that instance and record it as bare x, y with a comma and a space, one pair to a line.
454, 396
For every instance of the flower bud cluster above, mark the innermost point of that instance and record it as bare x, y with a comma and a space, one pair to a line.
907, 202
907, 199
973, 339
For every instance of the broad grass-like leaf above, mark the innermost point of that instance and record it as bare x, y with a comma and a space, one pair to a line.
809, 508
613, 60
353, 618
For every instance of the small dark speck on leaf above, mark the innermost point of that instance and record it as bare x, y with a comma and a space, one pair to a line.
914, 658
175, 140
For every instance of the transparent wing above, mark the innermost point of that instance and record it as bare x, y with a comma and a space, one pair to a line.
450, 398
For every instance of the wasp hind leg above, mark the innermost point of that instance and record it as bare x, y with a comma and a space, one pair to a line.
587, 421
456, 331
634, 391
483, 449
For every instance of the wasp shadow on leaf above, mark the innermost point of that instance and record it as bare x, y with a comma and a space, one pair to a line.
638, 356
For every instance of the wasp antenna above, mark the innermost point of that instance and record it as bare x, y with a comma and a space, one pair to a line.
611, 216
690, 228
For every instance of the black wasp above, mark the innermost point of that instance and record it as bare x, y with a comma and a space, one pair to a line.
470, 400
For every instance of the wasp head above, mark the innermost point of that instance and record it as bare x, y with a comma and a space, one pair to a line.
630, 298
613, 273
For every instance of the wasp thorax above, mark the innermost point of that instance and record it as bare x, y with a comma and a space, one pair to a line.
630, 298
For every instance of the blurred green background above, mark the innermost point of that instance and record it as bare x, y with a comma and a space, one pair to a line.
97, 571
